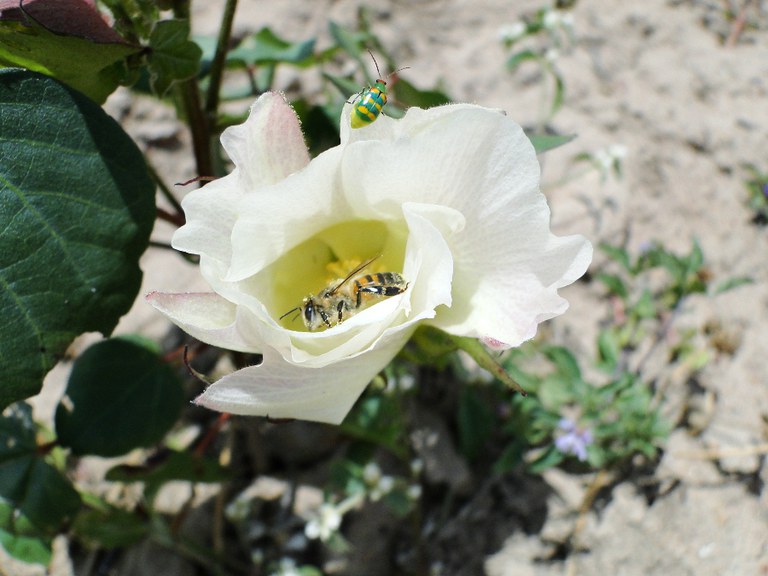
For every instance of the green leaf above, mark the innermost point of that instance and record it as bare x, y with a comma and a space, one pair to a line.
409, 95
564, 361
545, 142
518, 58
110, 528
617, 254
349, 41
69, 41
77, 208
609, 349
30, 484
486, 360
614, 283
119, 396
174, 56
265, 47
732, 283
549, 458
21, 539
476, 423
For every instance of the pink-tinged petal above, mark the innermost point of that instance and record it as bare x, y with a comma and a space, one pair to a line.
269, 146
207, 317
280, 389
265, 149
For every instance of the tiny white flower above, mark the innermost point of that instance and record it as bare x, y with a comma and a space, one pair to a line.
417, 466
325, 524
287, 567
617, 151
512, 32
552, 19
447, 197
414, 491
552, 54
371, 473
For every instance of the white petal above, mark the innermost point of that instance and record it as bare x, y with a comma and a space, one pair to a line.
269, 146
266, 148
279, 389
279, 217
428, 262
510, 298
207, 317
507, 264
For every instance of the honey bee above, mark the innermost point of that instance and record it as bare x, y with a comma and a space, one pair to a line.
347, 297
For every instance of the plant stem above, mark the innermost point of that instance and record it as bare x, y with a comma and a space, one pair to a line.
165, 191
189, 94
217, 66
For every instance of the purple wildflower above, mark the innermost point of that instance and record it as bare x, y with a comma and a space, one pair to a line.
573, 440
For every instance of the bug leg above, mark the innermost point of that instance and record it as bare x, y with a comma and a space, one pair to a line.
357, 96
340, 309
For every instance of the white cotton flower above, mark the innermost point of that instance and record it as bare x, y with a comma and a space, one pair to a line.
448, 198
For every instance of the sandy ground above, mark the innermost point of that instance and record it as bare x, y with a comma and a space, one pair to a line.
654, 77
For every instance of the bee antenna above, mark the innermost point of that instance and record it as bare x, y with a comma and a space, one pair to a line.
290, 312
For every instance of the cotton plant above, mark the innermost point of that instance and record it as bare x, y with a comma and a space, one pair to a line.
447, 198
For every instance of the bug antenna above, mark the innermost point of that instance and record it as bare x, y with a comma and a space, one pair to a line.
398, 70
375, 63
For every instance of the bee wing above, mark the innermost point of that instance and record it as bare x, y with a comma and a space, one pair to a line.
352, 274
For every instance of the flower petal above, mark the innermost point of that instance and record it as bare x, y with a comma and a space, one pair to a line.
207, 317
507, 264
278, 217
265, 149
269, 145
279, 389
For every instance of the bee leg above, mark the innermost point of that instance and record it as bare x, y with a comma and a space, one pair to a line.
325, 318
339, 309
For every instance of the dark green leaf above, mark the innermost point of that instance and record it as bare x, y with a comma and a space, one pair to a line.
69, 41
110, 528
38, 490
265, 47
77, 207
174, 56
476, 423
544, 142
119, 396
21, 539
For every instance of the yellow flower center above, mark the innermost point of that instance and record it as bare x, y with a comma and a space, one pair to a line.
327, 258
